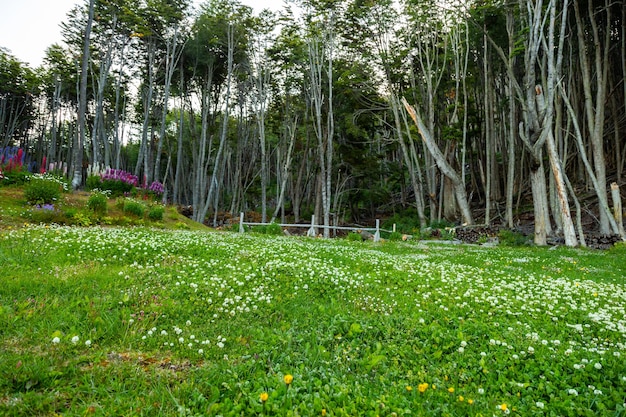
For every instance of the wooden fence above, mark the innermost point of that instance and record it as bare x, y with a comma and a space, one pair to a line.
312, 227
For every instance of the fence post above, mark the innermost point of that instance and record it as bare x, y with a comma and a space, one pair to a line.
241, 229
377, 234
311, 232
394, 228
617, 209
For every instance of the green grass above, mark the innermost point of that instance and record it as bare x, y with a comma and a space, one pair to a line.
188, 323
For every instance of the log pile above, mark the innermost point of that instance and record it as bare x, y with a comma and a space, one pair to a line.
476, 233
597, 241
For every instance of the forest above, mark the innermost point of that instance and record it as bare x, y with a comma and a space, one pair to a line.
479, 112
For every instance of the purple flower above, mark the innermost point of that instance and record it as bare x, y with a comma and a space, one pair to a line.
156, 187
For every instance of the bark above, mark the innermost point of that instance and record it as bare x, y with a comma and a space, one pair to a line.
171, 60
442, 164
82, 103
594, 108
286, 166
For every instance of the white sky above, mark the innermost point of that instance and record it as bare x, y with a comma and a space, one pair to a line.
28, 27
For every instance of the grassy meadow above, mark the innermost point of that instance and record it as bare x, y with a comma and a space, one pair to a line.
139, 321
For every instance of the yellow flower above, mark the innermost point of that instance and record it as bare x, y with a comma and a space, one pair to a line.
461, 399
288, 379
263, 397
422, 387
409, 388
470, 401
451, 390
503, 407
323, 412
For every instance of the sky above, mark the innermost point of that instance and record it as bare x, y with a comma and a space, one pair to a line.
28, 27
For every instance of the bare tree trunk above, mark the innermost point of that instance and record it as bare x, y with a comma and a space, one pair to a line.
446, 169
82, 103
214, 185
171, 60
594, 111
283, 185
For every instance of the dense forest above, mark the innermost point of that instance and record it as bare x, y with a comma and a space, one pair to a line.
470, 112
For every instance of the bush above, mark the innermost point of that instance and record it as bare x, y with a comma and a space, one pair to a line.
15, 177
98, 202
156, 213
274, 229
134, 207
395, 236
406, 222
354, 237
44, 214
508, 237
93, 182
41, 190
117, 188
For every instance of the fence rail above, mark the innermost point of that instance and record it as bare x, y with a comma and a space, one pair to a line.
312, 226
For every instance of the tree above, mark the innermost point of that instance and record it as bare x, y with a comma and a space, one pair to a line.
82, 103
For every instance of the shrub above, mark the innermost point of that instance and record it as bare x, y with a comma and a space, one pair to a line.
45, 213
134, 207
395, 236
354, 237
93, 182
156, 213
274, 229
15, 177
42, 190
508, 237
118, 182
98, 202
406, 222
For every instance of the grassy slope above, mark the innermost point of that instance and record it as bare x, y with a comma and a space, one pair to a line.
14, 211
196, 323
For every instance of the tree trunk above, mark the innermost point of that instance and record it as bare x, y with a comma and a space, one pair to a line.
82, 103
446, 169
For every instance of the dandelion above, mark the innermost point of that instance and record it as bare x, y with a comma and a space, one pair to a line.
451, 390
201, 351
573, 392
461, 398
503, 407
264, 396
75, 339
323, 412
56, 340
409, 388
481, 391
422, 387
87, 343
288, 379
597, 365
470, 401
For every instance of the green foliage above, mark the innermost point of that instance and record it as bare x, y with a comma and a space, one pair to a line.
116, 187
274, 229
134, 207
155, 213
93, 182
269, 229
97, 202
41, 190
406, 222
15, 177
507, 237
354, 237
395, 236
